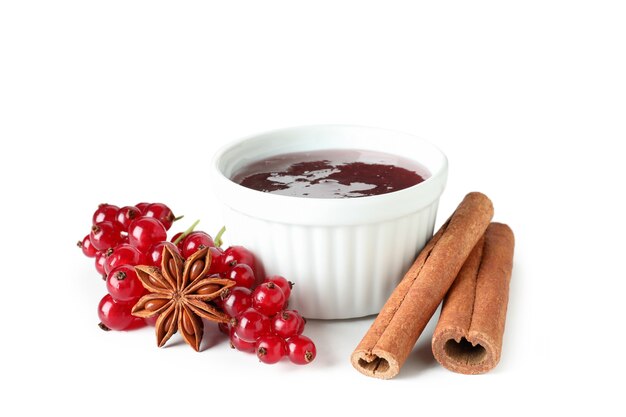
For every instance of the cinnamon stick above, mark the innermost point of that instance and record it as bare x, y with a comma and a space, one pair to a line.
393, 334
468, 336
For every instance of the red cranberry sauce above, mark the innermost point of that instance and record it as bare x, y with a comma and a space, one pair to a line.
331, 173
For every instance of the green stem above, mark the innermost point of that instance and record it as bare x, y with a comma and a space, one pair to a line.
218, 239
178, 218
186, 232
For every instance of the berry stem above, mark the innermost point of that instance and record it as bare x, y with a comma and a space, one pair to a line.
218, 238
186, 232
178, 218
103, 327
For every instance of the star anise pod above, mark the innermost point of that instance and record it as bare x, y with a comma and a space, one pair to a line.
180, 293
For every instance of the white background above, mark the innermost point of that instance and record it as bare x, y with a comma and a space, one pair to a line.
125, 101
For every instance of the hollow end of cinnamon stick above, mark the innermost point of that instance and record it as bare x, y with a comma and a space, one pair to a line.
469, 333
379, 364
464, 353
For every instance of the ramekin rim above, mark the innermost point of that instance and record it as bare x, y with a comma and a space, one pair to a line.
434, 183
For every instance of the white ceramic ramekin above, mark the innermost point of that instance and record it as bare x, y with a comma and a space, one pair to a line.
344, 255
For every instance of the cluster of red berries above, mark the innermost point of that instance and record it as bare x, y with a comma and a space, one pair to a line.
262, 324
122, 238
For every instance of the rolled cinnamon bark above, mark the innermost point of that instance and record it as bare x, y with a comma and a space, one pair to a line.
468, 336
393, 334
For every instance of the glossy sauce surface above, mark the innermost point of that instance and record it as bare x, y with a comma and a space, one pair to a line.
331, 173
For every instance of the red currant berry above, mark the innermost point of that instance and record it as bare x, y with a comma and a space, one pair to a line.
239, 255
238, 343
268, 298
145, 232
126, 215
270, 348
105, 213
154, 255
195, 241
161, 212
282, 282
224, 328
123, 254
137, 323
124, 285
219, 301
237, 302
242, 274
217, 261
101, 258
114, 315
300, 349
287, 323
105, 235
142, 207
180, 242
251, 324
302, 323
87, 247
